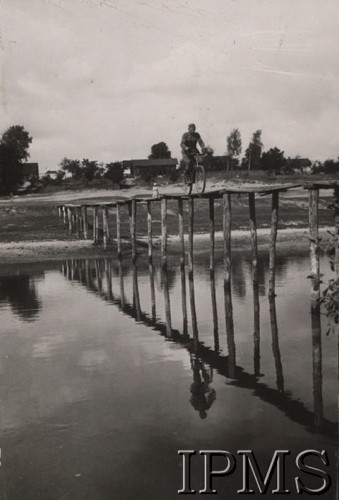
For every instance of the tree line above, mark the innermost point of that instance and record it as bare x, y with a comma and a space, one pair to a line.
14, 152
274, 160
87, 170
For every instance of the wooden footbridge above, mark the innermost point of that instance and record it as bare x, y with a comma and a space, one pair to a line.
77, 218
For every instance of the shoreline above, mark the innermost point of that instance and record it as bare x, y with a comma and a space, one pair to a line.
50, 250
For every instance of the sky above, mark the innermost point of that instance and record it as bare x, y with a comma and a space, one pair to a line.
107, 79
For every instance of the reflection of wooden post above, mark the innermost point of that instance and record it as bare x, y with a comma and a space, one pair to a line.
121, 280
256, 304
136, 296
108, 271
273, 241
167, 301
190, 269
227, 285
88, 272
151, 279
105, 227
149, 229
317, 363
85, 221
132, 217
98, 275
182, 264
275, 345
118, 215
314, 241
212, 274
72, 270
164, 231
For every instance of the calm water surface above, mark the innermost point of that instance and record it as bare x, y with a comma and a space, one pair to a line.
103, 380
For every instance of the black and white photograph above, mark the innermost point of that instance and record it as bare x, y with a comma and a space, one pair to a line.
169, 249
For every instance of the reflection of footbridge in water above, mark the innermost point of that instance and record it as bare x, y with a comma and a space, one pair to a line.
98, 280
76, 218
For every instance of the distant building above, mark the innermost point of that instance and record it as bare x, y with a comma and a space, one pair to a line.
53, 174
145, 168
30, 171
299, 165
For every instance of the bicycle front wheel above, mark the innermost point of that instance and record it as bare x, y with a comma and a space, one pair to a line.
187, 183
200, 179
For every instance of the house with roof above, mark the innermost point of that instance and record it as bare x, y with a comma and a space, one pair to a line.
147, 168
299, 165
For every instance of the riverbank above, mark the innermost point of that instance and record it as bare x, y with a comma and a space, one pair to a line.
289, 240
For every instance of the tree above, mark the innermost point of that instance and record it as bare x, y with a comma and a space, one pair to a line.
71, 166
252, 157
233, 147
273, 160
159, 150
11, 174
18, 140
114, 172
89, 169
14, 146
331, 166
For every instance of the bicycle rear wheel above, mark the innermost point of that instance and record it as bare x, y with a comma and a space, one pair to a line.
200, 179
187, 183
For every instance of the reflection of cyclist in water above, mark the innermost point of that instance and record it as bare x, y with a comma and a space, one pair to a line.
202, 396
189, 147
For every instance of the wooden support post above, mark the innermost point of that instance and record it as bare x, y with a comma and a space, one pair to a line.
149, 230
164, 231
105, 227
95, 224
227, 285
255, 283
314, 242
64, 213
85, 221
212, 274
336, 224
132, 225
273, 241
70, 220
59, 211
182, 265
118, 216
78, 221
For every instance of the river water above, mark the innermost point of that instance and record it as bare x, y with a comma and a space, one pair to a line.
106, 374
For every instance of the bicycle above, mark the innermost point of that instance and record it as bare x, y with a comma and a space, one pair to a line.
196, 175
